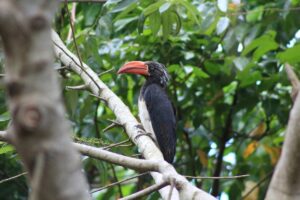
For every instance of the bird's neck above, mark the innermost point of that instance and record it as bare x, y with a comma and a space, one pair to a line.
150, 82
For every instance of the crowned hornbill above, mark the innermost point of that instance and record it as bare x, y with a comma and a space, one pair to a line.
155, 109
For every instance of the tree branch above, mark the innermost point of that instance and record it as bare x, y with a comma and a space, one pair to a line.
132, 127
146, 191
285, 182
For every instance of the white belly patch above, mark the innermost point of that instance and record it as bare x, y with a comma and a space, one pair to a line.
145, 118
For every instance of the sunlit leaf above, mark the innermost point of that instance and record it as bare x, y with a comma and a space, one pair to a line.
222, 24
262, 45
164, 7
191, 9
290, 55
200, 73
153, 7
250, 149
122, 5
255, 14
222, 4
6, 149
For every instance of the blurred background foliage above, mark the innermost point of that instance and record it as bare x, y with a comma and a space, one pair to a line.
228, 85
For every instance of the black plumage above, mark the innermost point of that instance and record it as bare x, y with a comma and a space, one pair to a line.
155, 109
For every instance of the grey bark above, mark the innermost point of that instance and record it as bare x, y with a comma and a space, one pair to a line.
285, 183
39, 130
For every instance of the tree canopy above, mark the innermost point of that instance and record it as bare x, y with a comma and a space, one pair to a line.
228, 85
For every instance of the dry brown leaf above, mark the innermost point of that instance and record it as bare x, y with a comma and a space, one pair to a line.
250, 149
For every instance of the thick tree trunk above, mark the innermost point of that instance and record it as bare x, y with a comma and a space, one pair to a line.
39, 130
285, 183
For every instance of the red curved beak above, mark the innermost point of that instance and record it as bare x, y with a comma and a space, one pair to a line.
134, 67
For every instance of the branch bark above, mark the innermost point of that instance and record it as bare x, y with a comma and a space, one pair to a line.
136, 134
285, 182
39, 131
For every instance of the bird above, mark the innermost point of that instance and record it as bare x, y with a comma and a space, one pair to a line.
156, 111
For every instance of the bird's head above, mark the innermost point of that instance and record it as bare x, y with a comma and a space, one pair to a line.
153, 71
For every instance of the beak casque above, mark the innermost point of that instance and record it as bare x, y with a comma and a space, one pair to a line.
134, 67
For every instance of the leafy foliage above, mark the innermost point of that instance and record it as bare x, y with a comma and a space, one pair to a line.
227, 83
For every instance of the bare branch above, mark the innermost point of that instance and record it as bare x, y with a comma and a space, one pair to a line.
132, 163
13, 177
116, 144
107, 71
218, 177
119, 182
77, 87
146, 191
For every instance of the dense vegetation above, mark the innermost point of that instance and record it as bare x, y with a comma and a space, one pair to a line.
228, 86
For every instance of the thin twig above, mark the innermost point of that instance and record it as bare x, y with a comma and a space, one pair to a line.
106, 72
12, 178
73, 34
77, 87
116, 180
146, 191
116, 144
258, 184
97, 97
218, 177
112, 125
119, 182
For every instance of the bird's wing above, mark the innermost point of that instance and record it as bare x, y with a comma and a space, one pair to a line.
163, 120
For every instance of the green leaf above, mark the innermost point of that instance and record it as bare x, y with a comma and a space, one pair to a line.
255, 14
212, 68
177, 21
126, 11
123, 5
141, 22
200, 73
291, 55
164, 7
192, 10
247, 76
6, 148
261, 45
166, 24
152, 8
120, 24
154, 19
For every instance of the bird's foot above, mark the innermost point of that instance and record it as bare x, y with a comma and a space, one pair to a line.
146, 134
143, 133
